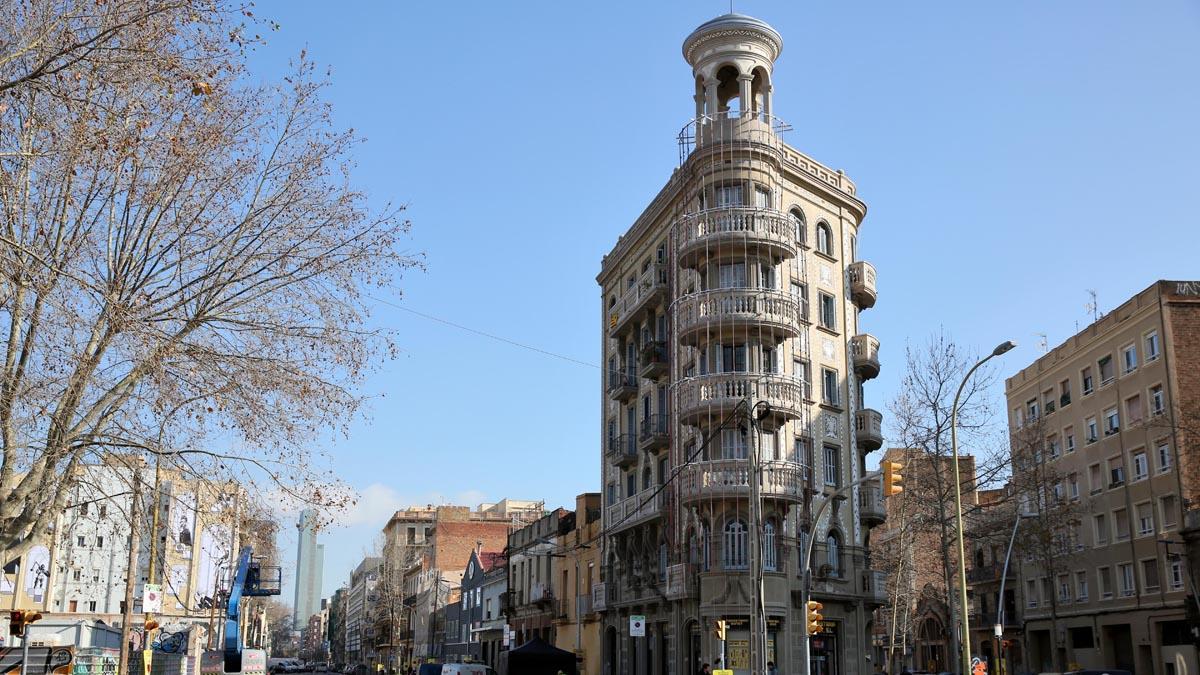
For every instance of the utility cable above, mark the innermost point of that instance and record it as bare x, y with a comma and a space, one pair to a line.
490, 336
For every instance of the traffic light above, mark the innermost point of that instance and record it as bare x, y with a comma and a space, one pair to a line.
19, 618
719, 629
814, 616
893, 482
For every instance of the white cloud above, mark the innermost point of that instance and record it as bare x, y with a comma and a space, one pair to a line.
377, 502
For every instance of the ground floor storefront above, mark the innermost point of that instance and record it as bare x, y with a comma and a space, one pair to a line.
1145, 642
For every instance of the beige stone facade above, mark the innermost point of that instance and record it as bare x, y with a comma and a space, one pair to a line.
575, 571
1115, 402
739, 284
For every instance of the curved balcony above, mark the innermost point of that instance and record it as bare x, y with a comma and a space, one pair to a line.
718, 132
738, 230
864, 353
737, 313
871, 508
717, 395
862, 284
868, 428
730, 478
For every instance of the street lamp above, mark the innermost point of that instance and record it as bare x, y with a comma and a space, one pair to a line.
999, 626
963, 632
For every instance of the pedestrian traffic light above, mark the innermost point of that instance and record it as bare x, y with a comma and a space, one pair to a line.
719, 629
814, 616
893, 482
19, 618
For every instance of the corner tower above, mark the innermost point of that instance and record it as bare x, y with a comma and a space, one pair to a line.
732, 402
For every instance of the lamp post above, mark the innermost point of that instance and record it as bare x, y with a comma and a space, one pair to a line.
963, 632
999, 626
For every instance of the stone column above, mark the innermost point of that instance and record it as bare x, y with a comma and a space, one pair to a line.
745, 98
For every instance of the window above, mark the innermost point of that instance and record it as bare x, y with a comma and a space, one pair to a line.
1121, 524
80, 541
735, 545
1150, 575
77, 575
1081, 586
1052, 445
1116, 472
91, 605
103, 511
766, 276
1105, 365
1175, 574
83, 508
1086, 376
770, 554
769, 450
1031, 597
1096, 478
1104, 576
1064, 393
1167, 507
1058, 492
1133, 409
828, 311
630, 484
1164, 456
732, 358
732, 275
1112, 421
1064, 588
1092, 433
824, 238
832, 466
99, 542
1141, 467
73, 606
1129, 356
733, 444
1151, 345
762, 197
830, 392
1073, 483
803, 372
729, 195
1157, 403
1031, 409
833, 555
1101, 529
800, 293
1125, 572
801, 228
1145, 518
1069, 438
770, 362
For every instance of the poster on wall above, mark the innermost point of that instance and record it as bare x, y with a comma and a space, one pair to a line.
183, 524
177, 584
214, 559
37, 572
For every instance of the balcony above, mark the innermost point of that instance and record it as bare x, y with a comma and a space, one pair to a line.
621, 386
871, 508
649, 287
862, 284
741, 230
737, 313
875, 587
868, 427
864, 351
682, 582
715, 396
653, 360
622, 450
653, 432
583, 606
563, 612
634, 510
730, 478
989, 573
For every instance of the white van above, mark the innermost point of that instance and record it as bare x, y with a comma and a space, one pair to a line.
466, 669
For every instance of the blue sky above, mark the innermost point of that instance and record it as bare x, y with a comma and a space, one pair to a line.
1013, 155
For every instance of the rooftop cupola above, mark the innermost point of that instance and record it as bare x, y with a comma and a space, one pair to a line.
732, 57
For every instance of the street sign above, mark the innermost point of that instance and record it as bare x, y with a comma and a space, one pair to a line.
637, 625
152, 598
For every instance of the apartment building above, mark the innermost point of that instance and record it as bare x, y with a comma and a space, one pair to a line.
1114, 403
531, 606
360, 598
483, 624
731, 337
575, 570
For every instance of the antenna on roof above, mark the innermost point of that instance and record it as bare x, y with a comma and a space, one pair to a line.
1094, 306
1042, 342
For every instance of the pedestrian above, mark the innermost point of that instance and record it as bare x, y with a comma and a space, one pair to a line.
771, 670
705, 670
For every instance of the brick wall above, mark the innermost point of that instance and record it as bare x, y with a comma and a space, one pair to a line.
455, 539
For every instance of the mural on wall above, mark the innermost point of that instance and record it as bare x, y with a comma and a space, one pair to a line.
183, 524
177, 581
214, 562
37, 572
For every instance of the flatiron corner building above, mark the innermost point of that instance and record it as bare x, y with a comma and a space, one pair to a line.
738, 289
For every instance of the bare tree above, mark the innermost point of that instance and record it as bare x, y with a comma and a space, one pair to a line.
183, 266
927, 544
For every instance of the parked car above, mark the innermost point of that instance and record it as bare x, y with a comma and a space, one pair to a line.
430, 669
466, 669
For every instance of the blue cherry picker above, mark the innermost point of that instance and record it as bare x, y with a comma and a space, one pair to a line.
250, 579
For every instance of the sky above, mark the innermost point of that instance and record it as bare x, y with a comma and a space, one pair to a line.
1013, 156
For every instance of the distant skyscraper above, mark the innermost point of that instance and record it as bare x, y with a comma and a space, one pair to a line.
310, 560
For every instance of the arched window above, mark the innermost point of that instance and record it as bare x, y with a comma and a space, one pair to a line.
833, 555
800, 226
735, 546
647, 478
824, 238
770, 553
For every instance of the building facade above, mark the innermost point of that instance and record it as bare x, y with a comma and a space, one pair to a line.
575, 570
1115, 404
310, 565
480, 609
732, 346
360, 645
531, 606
